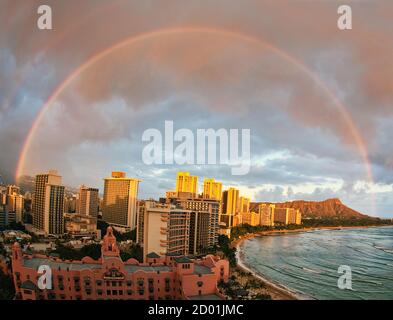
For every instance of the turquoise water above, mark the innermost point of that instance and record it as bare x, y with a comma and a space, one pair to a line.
308, 262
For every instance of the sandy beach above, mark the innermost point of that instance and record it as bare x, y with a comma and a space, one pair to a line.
275, 291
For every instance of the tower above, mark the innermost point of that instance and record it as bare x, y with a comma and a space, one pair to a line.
186, 183
48, 207
119, 203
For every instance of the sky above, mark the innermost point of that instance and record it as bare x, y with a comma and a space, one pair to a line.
318, 100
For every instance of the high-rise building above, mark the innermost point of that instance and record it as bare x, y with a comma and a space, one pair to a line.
244, 204
163, 228
12, 189
212, 189
48, 207
88, 202
70, 203
186, 183
119, 203
281, 216
204, 220
15, 203
294, 216
266, 212
251, 218
230, 202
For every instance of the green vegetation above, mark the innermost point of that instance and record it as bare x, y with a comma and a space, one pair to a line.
3, 252
244, 229
7, 290
344, 222
229, 252
13, 226
131, 235
94, 251
135, 251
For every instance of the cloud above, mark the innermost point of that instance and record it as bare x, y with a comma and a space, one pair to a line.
202, 80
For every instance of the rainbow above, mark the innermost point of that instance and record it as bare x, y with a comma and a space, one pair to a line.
358, 139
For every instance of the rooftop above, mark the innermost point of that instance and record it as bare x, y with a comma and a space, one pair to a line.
153, 255
200, 269
183, 259
35, 262
205, 297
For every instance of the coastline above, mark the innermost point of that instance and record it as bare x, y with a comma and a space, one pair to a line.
276, 290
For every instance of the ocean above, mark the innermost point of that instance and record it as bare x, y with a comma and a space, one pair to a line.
308, 262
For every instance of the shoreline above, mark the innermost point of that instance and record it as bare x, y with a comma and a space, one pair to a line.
276, 290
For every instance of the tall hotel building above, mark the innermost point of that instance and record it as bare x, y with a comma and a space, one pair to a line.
48, 206
266, 212
186, 183
244, 205
87, 204
212, 189
230, 203
15, 203
120, 199
181, 225
204, 220
163, 229
287, 216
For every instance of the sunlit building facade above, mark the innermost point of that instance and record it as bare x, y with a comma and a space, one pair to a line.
212, 189
88, 202
48, 205
230, 207
186, 183
120, 201
266, 212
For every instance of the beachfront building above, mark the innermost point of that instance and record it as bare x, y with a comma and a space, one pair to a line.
163, 228
251, 218
244, 205
230, 207
182, 223
266, 212
204, 220
287, 216
161, 277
